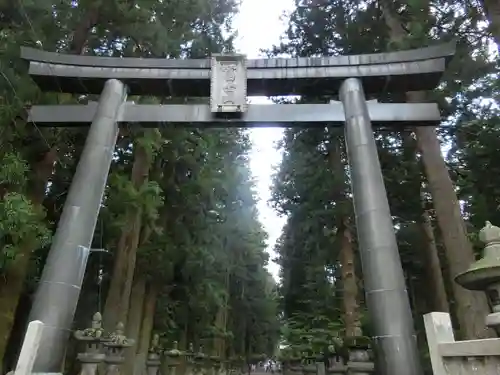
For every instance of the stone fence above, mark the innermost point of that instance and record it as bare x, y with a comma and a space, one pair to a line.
106, 353
353, 357
334, 366
459, 357
450, 357
110, 351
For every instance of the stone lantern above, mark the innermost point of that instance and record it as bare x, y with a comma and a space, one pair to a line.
173, 359
214, 364
153, 361
308, 363
199, 361
294, 361
115, 354
484, 275
190, 354
358, 349
93, 338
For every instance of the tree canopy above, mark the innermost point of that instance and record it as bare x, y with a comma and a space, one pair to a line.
186, 251
434, 179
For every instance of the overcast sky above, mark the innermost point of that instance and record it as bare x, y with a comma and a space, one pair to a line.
260, 26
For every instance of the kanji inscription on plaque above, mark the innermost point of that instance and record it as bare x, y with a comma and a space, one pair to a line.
228, 84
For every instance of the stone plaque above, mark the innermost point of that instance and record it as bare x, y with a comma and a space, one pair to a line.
228, 84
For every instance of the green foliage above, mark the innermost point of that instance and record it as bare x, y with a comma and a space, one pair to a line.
19, 222
200, 238
205, 243
13, 171
306, 338
212, 243
150, 142
311, 198
308, 249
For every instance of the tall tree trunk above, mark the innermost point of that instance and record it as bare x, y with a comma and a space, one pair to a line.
184, 346
137, 297
12, 283
434, 273
82, 30
438, 299
146, 327
118, 299
223, 342
471, 306
491, 10
347, 257
350, 285
220, 325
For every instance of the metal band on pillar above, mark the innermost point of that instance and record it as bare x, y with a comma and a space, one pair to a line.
386, 296
59, 288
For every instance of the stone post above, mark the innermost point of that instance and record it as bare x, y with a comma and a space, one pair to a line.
294, 364
331, 362
214, 364
173, 359
241, 365
336, 365
29, 349
223, 367
385, 288
360, 362
232, 366
190, 360
335, 357
307, 364
303, 364
320, 368
359, 358
484, 275
284, 365
93, 338
115, 350
199, 362
153, 361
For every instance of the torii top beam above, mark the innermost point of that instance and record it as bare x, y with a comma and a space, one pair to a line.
396, 115
401, 71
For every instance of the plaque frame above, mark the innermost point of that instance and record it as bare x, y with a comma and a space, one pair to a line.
237, 102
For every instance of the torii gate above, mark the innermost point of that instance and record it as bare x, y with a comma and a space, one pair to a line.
227, 80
